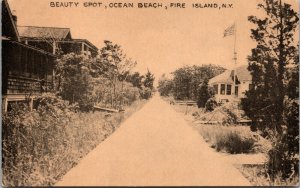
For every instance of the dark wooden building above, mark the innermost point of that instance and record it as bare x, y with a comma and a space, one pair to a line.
56, 40
26, 70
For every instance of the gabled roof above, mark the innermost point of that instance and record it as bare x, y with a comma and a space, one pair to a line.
87, 42
242, 74
225, 78
9, 28
34, 32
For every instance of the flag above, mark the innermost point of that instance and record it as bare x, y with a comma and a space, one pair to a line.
229, 31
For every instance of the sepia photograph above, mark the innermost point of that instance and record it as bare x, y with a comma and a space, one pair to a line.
150, 93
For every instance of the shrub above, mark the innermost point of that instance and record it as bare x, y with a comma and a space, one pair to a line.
33, 139
145, 93
231, 117
204, 94
234, 143
210, 104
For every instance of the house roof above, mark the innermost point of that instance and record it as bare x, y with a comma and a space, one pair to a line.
9, 28
87, 42
30, 47
225, 77
242, 74
34, 32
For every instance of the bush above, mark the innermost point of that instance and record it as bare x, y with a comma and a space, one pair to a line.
234, 143
211, 104
231, 118
31, 140
145, 93
40, 146
204, 94
130, 94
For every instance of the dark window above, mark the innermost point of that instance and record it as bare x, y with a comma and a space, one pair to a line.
236, 90
216, 89
222, 89
228, 91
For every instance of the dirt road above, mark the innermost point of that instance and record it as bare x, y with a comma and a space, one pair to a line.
155, 146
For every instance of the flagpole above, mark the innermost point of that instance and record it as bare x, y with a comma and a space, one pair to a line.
235, 59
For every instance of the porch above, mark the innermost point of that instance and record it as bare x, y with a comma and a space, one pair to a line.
26, 72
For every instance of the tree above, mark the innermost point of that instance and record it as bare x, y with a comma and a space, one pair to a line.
187, 80
118, 67
271, 102
205, 93
135, 79
165, 86
149, 80
75, 80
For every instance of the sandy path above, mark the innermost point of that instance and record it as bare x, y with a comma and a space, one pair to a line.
155, 146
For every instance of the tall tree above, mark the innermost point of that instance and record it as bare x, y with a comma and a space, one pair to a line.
135, 79
113, 55
187, 80
165, 86
270, 64
205, 93
149, 80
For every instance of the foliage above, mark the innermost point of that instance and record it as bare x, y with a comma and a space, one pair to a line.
205, 93
186, 81
274, 68
233, 143
135, 79
211, 104
232, 117
149, 80
145, 92
31, 140
165, 86
104, 80
75, 80
40, 146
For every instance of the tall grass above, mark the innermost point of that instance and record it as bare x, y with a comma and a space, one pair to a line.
230, 139
233, 143
40, 146
257, 174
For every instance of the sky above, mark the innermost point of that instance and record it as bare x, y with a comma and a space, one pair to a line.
159, 40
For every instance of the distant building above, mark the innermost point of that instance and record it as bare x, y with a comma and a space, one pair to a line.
56, 40
223, 84
26, 70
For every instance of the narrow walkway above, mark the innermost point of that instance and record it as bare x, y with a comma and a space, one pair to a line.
155, 146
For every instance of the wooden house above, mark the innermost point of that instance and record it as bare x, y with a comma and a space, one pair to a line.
223, 84
56, 40
26, 70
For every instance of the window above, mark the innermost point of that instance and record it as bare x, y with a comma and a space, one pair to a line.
236, 90
228, 90
222, 89
216, 89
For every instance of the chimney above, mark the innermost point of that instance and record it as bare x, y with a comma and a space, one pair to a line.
14, 16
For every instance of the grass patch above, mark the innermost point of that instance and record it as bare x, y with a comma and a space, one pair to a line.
40, 146
258, 176
231, 139
233, 143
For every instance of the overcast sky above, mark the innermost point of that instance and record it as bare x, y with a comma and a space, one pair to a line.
158, 39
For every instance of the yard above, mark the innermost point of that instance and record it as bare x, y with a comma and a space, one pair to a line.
245, 149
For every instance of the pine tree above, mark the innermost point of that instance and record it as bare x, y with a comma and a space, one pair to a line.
204, 94
271, 103
149, 80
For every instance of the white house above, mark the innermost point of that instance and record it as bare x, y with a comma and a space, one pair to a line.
223, 84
